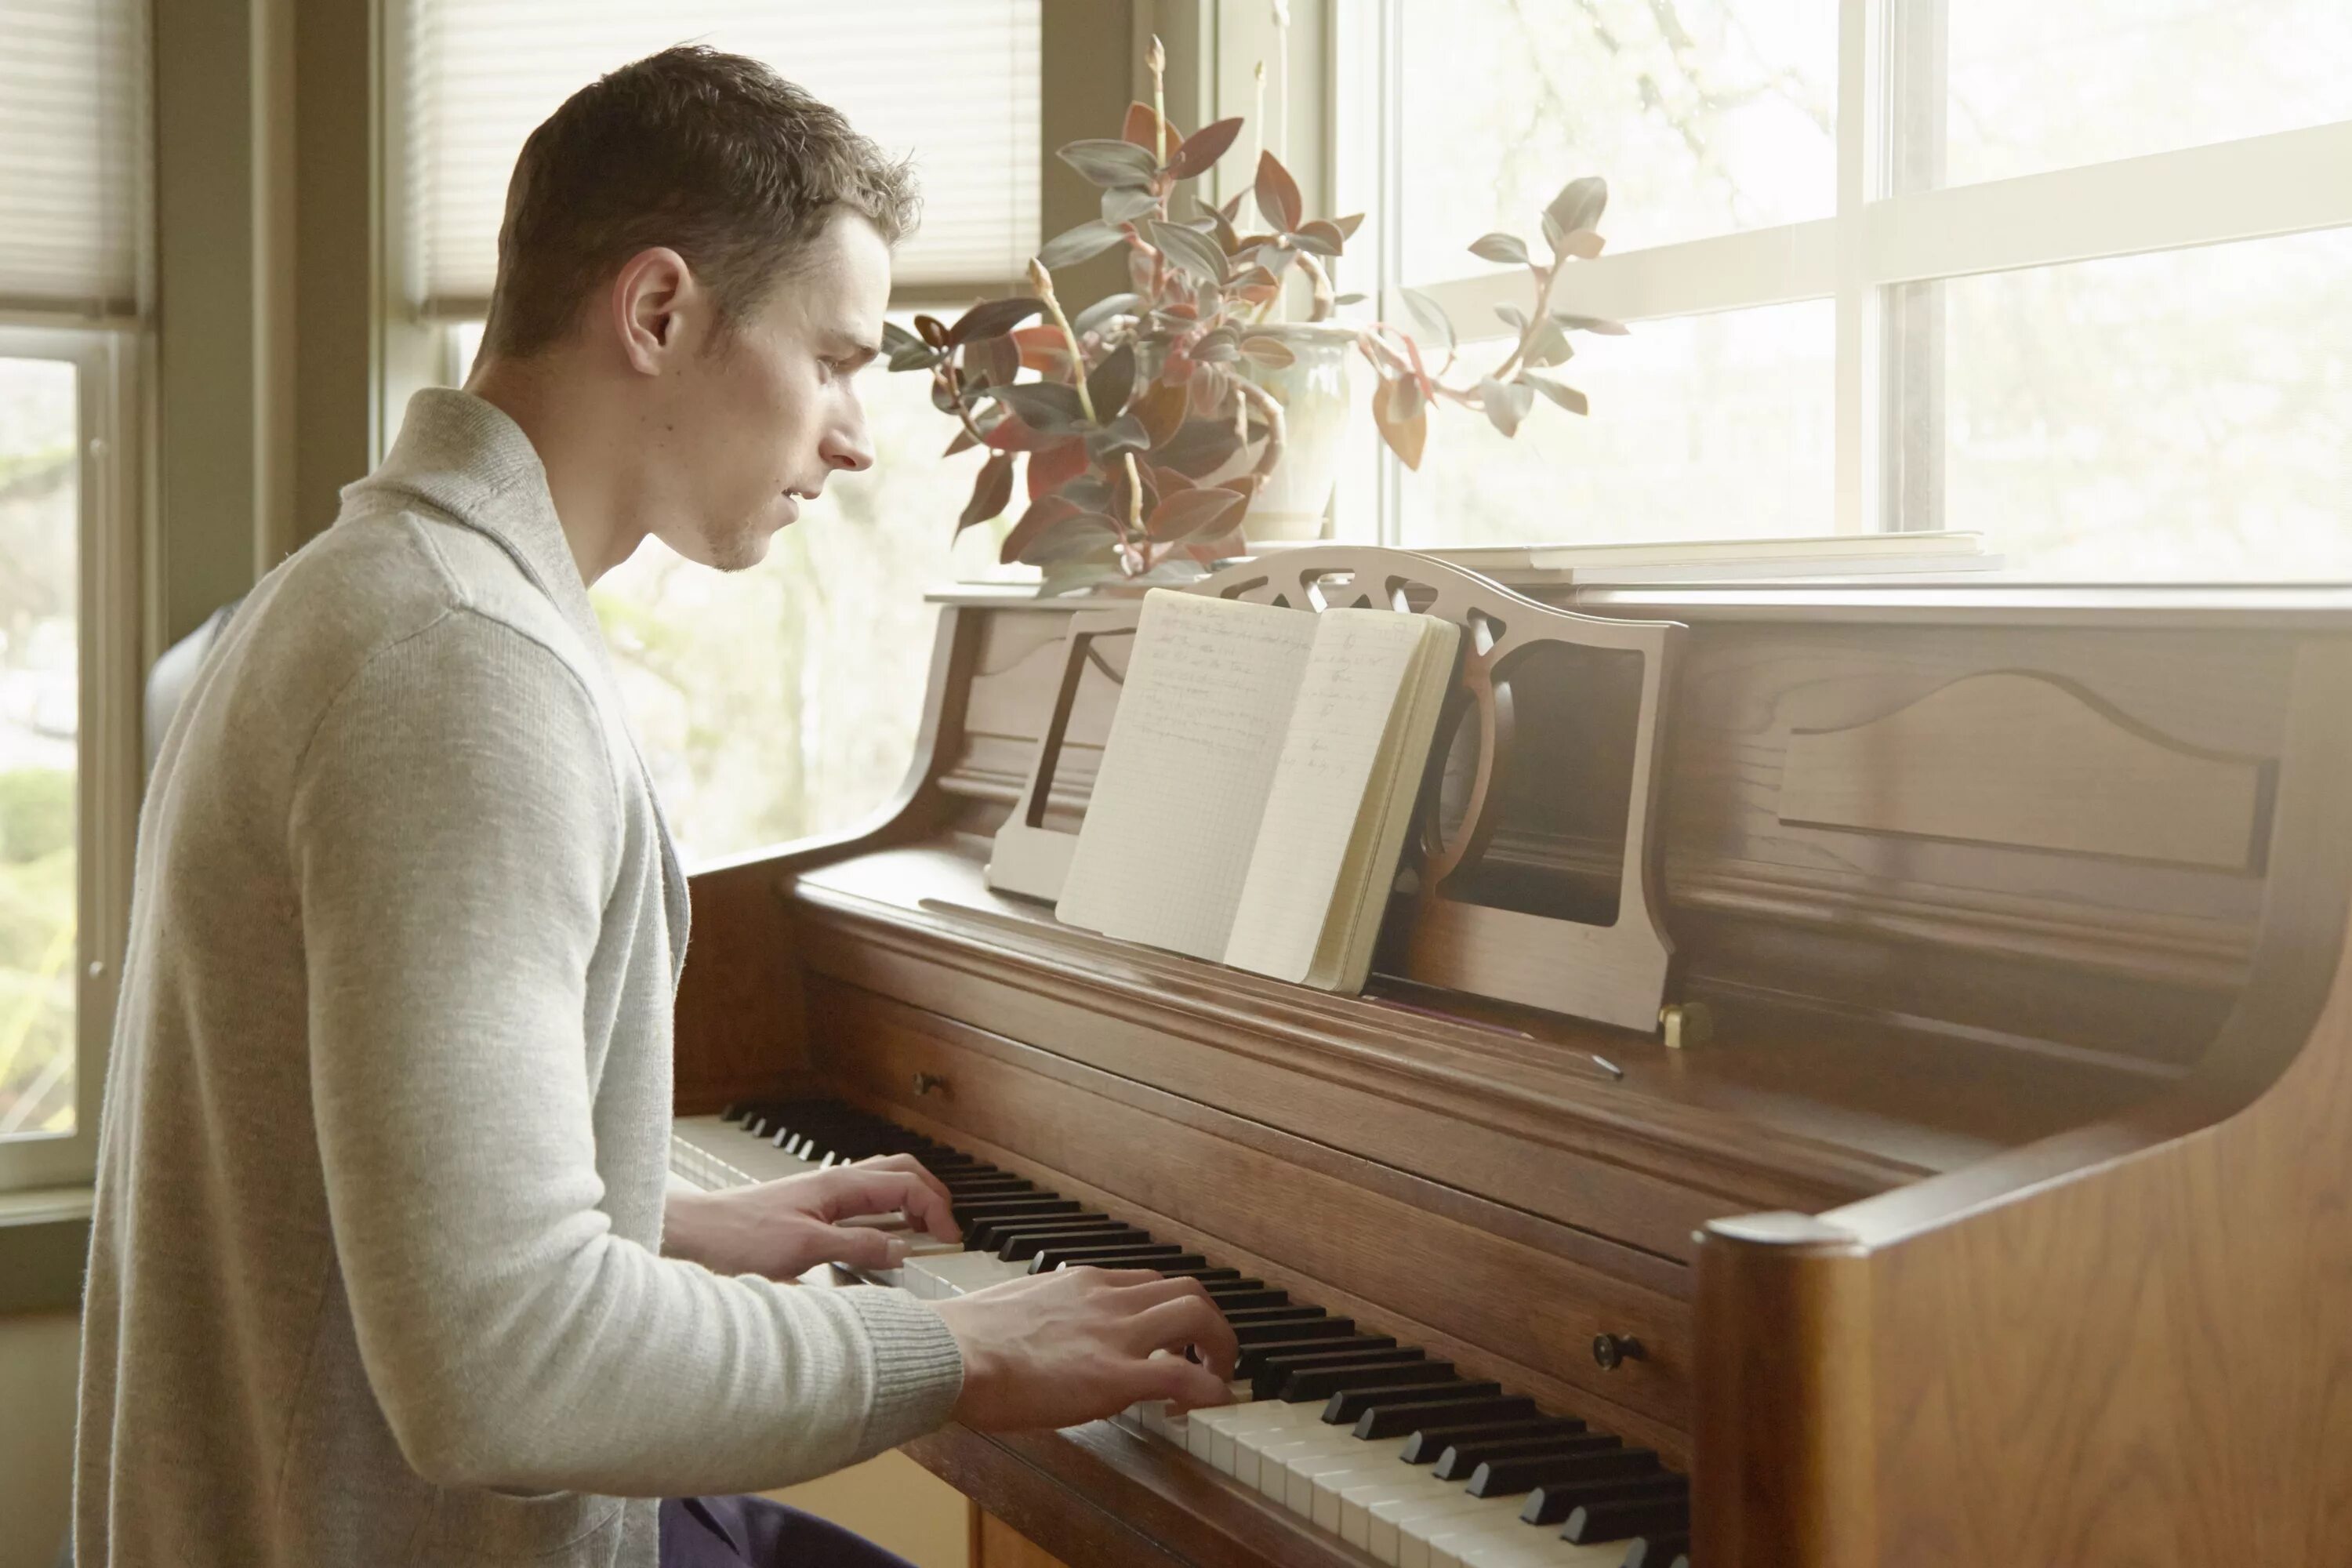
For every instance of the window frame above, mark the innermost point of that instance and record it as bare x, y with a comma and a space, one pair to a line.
1878, 256
108, 762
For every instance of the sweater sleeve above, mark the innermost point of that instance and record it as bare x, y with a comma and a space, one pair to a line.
454, 834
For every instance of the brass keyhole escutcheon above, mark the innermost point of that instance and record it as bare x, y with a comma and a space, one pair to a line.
925, 1083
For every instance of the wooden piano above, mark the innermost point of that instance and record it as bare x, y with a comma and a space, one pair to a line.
2002, 1217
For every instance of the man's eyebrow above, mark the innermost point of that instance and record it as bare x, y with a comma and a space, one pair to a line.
857, 345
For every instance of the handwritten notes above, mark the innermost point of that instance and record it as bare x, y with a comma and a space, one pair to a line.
1256, 782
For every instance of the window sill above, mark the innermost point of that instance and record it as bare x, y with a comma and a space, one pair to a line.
44, 1245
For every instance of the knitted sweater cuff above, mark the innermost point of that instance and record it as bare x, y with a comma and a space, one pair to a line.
917, 1367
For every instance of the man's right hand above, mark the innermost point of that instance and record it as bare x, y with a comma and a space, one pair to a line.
1077, 1344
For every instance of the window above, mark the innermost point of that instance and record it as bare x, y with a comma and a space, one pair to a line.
71, 211
2066, 275
783, 701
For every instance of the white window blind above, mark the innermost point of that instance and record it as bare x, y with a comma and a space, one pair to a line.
951, 83
71, 81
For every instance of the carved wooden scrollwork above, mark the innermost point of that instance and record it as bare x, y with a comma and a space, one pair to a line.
1615, 973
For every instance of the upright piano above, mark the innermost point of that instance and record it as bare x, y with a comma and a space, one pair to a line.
1981, 1193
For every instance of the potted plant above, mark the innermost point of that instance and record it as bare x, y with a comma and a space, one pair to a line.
1172, 423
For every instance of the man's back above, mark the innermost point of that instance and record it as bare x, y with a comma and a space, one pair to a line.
381, 1164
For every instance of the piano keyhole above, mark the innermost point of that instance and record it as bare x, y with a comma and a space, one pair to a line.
1611, 1351
925, 1083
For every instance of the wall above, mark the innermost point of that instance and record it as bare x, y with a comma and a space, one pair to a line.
38, 1353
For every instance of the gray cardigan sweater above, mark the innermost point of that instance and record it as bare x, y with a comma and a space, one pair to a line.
375, 1272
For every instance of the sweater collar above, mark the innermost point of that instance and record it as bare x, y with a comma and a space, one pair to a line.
462, 455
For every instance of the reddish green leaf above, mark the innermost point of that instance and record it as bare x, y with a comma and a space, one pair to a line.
992, 360
1499, 247
1200, 447
1203, 148
1579, 204
1045, 351
1277, 194
1045, 405
1162, 409
1568, 397
990, 490
1108, 384
1108, 162
1138, 128
1506, 403
1195, 513
1070, 539
1405, 435
934, 330
992, 317
1051, 467
1088, 240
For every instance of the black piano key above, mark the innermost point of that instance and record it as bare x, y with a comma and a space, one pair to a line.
1501, 1477
1021, 1246
1662, 1551
1553, 1504
1003, 1233
1614, 1518
963, 1193
1457, 1462
1314, 1383
1149, 1255
1288, 1313
1283, 1329
1281, 1361
991, 1219
1255, 1356
1230, 1300
1427, 1443
1205, 1276
1398, 1412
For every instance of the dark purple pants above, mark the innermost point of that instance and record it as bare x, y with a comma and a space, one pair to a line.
730, 1531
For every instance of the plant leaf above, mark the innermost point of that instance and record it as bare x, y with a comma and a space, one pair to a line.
1162, 409
1074, 576
1499, 247
1579, 204
1549, 344
1102, 310
1553, 234
1052, 467
1506, 403
1582, 243
1198, 447
1260, 348
992, 318
905, 350
1108, 384
1428, 316
1043, 513
1086, 241
1231, 211
1189, 514
962, 443
1321, 244
1568, 397
1203, 148
1277, 194
1010, 433
1046, 406
1217, 345
1405, 434
1187, 249
1513, 316
1071, 538
1407, 398
1140, 126
1125, 203
1575, 323
934, 331
1350, 299
991, 489
1349, 225
1045, 351
1108, 162
1124, 434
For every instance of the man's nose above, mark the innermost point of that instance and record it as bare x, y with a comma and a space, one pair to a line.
846, 447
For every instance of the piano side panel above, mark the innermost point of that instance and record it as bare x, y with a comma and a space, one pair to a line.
2129, 1345
1486, 1287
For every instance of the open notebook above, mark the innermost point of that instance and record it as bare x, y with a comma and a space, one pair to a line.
1258, 783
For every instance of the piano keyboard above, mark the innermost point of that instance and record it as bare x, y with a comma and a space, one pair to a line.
1390, 1451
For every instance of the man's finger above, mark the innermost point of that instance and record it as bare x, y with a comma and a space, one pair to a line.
862, 1190
860, 1246
1190, 1321
1183, 1383
1157, 1288
917, 1169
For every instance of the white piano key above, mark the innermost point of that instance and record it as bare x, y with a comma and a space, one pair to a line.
1357, 1502
1278, 1461
1316, 1485
1441, 1537
1392, 1523
1534, 1546
1238, 1446
954, 1272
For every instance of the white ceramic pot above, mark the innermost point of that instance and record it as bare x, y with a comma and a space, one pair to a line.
1313, 392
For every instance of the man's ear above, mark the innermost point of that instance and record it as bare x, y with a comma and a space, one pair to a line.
655, 302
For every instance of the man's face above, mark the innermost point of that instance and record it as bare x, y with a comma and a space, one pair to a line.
757, 424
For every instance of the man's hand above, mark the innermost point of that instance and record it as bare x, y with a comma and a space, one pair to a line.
1078, 1344
782, 1230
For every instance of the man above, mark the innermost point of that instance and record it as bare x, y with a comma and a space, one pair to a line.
383, 1266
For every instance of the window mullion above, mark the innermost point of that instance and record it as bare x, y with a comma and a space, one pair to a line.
1855, 440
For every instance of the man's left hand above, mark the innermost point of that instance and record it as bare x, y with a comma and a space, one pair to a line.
782, 1230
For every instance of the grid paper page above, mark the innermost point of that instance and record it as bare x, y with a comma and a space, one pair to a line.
1354, 681
1192, 752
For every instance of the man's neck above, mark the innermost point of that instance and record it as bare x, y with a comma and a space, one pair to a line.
589, 473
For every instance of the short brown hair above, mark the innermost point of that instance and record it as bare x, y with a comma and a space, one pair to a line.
711, 154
